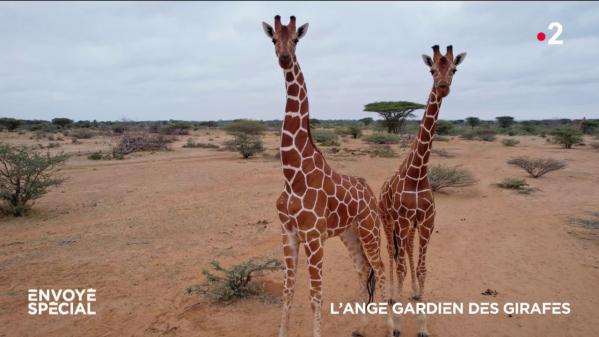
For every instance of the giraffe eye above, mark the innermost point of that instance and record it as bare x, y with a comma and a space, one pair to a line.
453, 71
274, 41
295, 41
432, 71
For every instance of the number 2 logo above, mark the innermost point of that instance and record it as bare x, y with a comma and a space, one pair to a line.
558, 31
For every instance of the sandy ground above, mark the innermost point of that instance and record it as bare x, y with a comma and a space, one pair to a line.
141, 230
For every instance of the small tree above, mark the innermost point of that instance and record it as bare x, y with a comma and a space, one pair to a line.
588, 126
355, 131
505, 121
26, 175
9, 124
394, 113
246, 144
62, 122
473, 122
567, 137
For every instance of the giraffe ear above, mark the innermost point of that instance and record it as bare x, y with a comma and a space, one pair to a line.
427, 60
268, 30
458, 59
302, 30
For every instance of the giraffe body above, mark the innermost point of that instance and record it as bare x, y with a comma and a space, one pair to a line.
406, 202
318, 203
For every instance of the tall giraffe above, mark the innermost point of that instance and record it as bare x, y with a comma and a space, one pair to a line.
318, 203
406, 200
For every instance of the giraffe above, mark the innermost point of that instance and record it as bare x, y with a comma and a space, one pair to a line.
406, 202
318, 203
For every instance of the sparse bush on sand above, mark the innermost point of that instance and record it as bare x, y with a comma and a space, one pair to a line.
510, 142
383, 138
486, 135
383, 151
226, 285
191, 143
136, 142
325, 137
537, 167
442, 153
517, 184
443, 176
26, 175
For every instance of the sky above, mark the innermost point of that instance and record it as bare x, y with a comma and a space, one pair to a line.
211, 61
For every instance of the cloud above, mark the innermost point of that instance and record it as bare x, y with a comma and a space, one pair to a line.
201, 61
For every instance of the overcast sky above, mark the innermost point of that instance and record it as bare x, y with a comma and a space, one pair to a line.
207, 61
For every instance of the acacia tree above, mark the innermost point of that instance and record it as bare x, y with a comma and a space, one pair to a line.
473, 122
394, 113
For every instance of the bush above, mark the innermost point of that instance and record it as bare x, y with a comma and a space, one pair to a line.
81, 133
26, 175
233, 283
383, 151
383, 138
9, 124
567, 137
62, 122
505, 121
246, 144
246, 126
175, 129
510, 142
517, 184
325, 137
192, 144
486, 135
442, 153
96, 156
444, 127
442, 176
130, 143
355, 131
537, 167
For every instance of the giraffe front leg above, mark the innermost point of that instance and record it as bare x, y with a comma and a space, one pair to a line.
315, 252
290, 251
425, 230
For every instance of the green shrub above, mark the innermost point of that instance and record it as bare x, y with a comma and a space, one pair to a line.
383, 151
246, 144
443, 176
537, 167
175, 129
567, 137
444, 127
26, 175
246, 126
510, 142
191, 143
96, 156
81, 133
227, 285
383, 138
517, 184
325, 137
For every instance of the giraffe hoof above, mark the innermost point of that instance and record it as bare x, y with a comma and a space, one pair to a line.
422, 334
356, 334
396, 333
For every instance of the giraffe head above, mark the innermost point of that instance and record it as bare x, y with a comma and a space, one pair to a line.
285, 39
443, 67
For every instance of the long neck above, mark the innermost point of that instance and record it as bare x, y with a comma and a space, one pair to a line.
421, 147
295, 135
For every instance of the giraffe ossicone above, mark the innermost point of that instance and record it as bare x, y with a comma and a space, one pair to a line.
406, 202
318, 203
